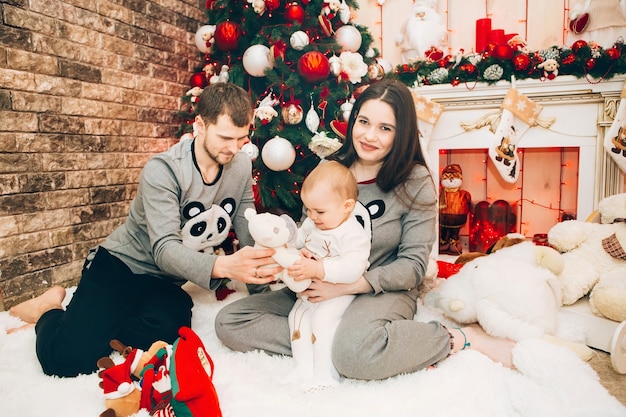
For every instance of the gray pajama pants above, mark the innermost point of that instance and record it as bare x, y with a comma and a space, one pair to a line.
376, 339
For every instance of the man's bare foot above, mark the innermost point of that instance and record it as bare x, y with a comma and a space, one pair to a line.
31, 310
497, 349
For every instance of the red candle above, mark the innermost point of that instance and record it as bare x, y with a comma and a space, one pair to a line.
483, 30
497, 37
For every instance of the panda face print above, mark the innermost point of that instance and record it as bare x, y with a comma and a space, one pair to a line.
205, 229
366, 213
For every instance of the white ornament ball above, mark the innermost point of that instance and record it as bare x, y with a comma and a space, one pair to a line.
299, 40
349, 38
385, 64
257, 59
278, 154
251, 150
204, 35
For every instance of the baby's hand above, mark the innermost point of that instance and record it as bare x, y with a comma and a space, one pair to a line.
304, 268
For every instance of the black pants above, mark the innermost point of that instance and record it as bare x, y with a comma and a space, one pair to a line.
110, 302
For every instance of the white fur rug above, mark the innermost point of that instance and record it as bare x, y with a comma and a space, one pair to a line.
550, 381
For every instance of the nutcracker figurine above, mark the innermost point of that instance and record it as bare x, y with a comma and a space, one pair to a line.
454, 206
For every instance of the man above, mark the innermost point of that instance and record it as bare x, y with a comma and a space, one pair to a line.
130, 287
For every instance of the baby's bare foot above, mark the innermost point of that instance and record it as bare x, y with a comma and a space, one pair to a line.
31, 310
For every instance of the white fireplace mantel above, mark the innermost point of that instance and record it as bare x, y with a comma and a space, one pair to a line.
575, 113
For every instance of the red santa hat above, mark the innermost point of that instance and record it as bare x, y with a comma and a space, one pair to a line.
116, 381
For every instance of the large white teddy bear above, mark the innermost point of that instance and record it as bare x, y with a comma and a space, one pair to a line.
509, 293
594, 258
272, 231
421, 31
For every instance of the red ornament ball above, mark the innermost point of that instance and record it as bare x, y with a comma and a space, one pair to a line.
504, 52
272, 4
521, 62
198, 80
578, 44
591, 62
313, 66
227, 35
294, 13
613, 53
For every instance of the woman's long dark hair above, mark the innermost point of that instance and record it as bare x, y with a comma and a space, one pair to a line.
406, 150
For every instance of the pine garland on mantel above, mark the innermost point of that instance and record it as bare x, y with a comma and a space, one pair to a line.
582, 60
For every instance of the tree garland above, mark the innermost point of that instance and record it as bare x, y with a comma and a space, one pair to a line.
582, 59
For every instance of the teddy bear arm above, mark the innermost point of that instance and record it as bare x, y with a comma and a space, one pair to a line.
499, 322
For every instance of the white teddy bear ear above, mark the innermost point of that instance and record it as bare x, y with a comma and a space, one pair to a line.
292, 227
249, 213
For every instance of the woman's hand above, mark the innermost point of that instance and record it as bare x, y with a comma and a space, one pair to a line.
322, 290
245, 265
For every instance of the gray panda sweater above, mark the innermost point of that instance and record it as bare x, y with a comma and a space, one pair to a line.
149, 242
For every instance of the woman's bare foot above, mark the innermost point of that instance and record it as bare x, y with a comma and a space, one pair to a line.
20, 328
31, 310
497, 349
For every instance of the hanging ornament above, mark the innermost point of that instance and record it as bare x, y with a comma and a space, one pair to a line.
375, 71
204, 38
292, 113
298, 40
325, 24
257, 59
198, 80
312, 119
294, 13
272, 5
258, 6
278, 154
223, 75
313, 66
278, 49
346, 109
227, 35
349, 38
335, 65
251, 150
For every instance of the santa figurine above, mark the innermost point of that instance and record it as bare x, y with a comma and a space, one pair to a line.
454, 205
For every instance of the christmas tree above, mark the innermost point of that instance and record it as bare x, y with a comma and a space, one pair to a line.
303, 64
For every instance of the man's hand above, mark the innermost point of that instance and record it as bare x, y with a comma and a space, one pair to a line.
246, 265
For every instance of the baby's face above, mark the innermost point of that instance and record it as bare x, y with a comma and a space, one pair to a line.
325, 209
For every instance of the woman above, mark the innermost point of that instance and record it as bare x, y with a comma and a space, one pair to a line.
377, 337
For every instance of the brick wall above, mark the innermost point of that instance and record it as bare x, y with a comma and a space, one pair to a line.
88, 92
